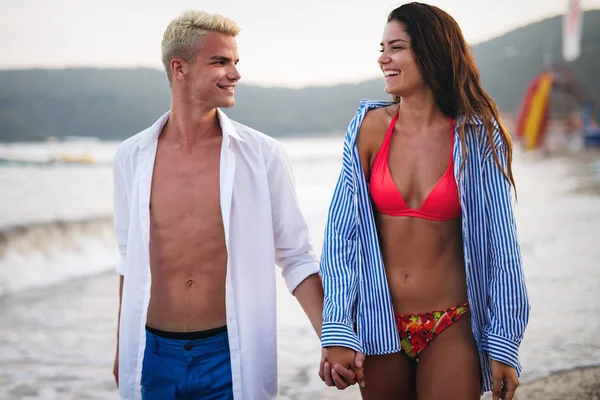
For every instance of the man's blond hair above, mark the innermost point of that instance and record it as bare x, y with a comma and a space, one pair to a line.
183, 36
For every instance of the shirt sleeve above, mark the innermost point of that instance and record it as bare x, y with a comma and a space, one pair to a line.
293, 250
120, 213
508, 306
338, 268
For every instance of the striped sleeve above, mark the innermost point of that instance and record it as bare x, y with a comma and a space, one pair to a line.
338, 266
508, 305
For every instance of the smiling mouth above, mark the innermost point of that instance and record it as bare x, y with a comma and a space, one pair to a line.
229, 88
391, 74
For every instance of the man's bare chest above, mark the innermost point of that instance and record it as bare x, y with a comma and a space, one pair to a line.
185, 193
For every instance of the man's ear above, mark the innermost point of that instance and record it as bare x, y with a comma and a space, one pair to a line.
178, 68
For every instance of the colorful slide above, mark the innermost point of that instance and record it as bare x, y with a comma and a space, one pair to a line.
534, 113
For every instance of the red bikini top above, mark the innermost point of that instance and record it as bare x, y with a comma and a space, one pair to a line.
441, 204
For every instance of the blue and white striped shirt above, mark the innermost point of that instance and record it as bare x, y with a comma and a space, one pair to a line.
358, 310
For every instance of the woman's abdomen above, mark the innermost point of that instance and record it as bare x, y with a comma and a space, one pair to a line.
424, 263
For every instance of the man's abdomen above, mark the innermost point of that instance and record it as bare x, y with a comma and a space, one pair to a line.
188, 282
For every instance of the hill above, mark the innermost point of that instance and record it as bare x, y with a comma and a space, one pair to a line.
116, 103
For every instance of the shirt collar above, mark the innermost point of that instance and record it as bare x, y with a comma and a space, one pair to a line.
227, 126
151, 134
476, 120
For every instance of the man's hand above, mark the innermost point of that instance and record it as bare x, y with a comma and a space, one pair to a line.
505, 381
116, 367
341, 367
341, 378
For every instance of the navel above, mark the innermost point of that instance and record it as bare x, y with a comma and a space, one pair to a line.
190, 282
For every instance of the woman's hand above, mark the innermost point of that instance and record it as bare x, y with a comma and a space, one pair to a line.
345, 367
505, 381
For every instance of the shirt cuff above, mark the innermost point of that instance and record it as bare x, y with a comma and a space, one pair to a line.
502, 349
339, 334
295, 275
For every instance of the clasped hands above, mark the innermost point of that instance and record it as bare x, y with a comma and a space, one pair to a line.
341, 367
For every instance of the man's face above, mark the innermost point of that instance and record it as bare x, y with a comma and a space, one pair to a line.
210, 78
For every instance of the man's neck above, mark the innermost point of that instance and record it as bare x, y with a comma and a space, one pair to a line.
188, 126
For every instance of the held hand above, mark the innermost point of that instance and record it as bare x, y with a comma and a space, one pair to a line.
345, 367
505, 381
340, 378
116, 368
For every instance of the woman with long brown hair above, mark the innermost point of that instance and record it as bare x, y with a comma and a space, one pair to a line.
421, 266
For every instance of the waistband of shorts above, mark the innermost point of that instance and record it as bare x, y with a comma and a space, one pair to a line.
188, 336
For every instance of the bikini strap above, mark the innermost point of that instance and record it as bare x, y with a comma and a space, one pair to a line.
388, 135
451, 141
382, 154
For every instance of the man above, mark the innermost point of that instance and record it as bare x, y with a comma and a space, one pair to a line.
204, 207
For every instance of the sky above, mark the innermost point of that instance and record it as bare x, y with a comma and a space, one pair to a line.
282, 43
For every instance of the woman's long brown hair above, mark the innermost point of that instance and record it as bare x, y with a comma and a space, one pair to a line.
445, 61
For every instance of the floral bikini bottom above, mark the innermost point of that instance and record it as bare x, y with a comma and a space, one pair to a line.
416, 331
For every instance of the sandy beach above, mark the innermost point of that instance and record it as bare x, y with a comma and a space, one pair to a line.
578, 384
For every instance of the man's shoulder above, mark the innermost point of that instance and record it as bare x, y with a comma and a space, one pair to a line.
130, 146
126, 152
254, 136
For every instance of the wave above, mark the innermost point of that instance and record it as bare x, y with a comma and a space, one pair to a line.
50, 253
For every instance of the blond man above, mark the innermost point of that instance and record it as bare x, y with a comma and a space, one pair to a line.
204, 208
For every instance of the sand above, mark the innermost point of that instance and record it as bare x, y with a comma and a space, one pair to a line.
577, 384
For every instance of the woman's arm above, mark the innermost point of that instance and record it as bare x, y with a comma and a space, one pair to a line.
508, 306
338, 268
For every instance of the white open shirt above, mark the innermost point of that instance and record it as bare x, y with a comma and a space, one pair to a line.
263, 226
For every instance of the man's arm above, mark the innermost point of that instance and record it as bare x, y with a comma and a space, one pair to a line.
121, 279
293, 250
310, 296
120, 213
121, 227
116, 362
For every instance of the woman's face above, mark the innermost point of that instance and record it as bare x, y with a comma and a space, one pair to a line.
402, 75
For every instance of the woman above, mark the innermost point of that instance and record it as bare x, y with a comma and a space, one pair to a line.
421, 266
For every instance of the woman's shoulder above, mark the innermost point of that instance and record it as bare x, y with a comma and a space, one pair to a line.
382, 112
489, 135
374, 127
377, 118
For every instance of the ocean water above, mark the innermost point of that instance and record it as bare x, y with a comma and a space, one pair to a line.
58, 294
